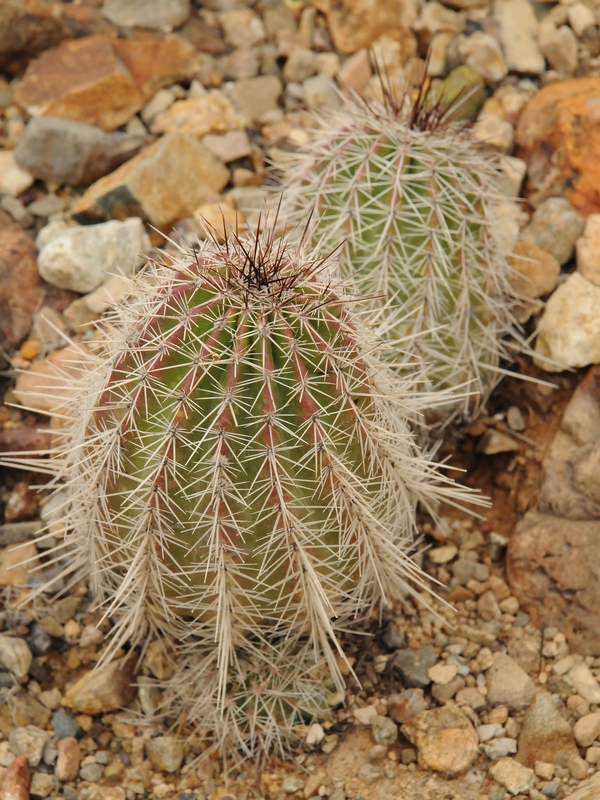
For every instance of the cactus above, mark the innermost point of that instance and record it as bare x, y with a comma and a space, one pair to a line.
237, 476
412, 201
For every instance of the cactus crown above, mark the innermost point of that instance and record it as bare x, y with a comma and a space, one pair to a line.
412, 203
237, 475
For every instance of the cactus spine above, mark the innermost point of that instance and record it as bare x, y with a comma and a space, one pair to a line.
412, 202
239, 478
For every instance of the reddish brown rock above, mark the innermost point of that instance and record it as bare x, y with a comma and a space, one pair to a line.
27, 29
21, 289
15, 785
354, 24
81, 80
18, 440
553, 568
164, 183
155, 62
558, 135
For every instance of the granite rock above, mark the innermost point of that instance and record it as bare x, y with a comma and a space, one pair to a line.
517, 778
518, 29
83, 257
15, 655
163, 184
166, 752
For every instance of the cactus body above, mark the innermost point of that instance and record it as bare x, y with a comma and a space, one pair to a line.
239, 478
411, 201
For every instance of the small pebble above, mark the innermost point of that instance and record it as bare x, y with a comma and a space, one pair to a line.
15, 655
91, 772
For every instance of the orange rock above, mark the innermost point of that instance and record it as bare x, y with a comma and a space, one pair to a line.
81, 80
47, 385
15, 785
104, 689
155, 62
164, 183
558, 136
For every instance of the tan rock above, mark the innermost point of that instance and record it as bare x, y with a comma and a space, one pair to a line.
215, 218
508, 684
560, 47
550, 565
445, 739
48, 383
546, 735
355, 24
68, 760
155, 62
482, 52
355, 71
256, 97
16, 563
588, 250
569, 329
164, 183
166, 752
512, 775
534, 272
587, 729
82, 80
81, 313
14, 179
199, 116
518, 28
102, 690
590, 790
559, 137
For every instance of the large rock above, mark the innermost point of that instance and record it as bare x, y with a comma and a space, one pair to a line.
546, 735
153, 14
559, 138
354, 24
508, 684
157, 61
81, 80
21, 289
26, 29
164, 183
83, 257
64, 151
445, 739
568, 333
552, 566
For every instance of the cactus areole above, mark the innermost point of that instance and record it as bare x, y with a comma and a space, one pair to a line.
238, 477
414, 203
